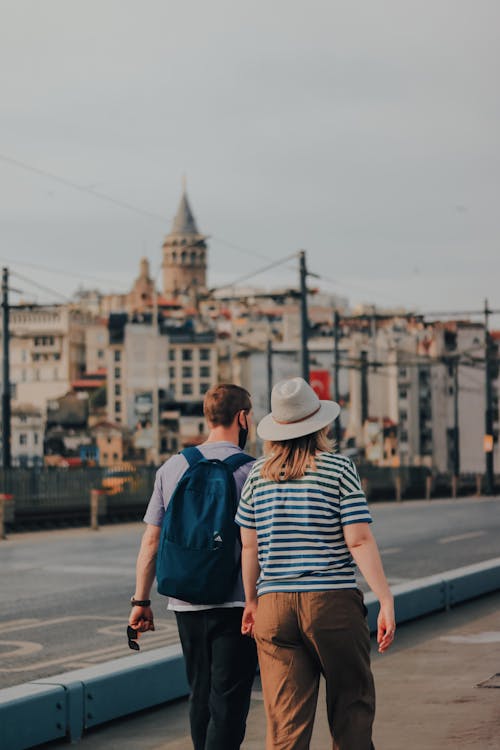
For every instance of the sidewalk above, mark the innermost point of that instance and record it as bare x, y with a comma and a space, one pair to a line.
427, 694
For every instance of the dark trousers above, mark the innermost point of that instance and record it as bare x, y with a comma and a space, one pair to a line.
220, 665
301, 636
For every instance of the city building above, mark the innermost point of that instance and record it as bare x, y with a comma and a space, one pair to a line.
27, 425
113, 443
47, 351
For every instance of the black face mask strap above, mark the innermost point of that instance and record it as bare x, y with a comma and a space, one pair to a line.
243, 434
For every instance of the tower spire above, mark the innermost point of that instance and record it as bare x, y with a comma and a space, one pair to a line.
184, 221
184, 253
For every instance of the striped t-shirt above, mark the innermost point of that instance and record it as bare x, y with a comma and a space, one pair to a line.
299, 524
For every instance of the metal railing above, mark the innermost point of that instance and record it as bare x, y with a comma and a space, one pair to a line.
48, 497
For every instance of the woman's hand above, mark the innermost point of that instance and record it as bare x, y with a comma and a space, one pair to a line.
386, 625
248, 619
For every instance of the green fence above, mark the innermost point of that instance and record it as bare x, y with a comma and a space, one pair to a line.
48, 497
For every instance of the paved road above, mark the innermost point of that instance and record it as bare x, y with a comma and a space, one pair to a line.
64, 594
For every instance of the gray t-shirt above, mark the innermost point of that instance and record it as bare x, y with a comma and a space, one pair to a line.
166, 481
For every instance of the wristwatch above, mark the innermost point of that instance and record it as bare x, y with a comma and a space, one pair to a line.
140, 602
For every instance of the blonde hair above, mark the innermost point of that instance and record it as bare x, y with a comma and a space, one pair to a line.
290, 459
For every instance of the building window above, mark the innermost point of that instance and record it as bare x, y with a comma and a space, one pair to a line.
403, 414
118, 355
187, 389
57, 356
204, 371
187, 355
171, 373
204, 387
115, 456
23, 439
104, 456
403, 393
171, 355
35, 438
118, 406
118, 389
205, 355
118, 372
403, 437
402, 372
100, 354
187, 372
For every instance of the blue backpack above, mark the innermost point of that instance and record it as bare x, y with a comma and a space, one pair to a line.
197, 556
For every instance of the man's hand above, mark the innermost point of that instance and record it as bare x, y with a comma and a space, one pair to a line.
248, 619
141, 619
386, 625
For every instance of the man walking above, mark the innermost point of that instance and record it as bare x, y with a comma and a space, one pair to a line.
220, 661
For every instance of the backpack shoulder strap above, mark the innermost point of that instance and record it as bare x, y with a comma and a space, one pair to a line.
192, 455
238, 459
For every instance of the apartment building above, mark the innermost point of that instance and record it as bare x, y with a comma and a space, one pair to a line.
47, 351
27, 425
179, 362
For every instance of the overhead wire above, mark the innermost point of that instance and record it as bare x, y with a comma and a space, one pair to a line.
52, 270
126, 205
39, 286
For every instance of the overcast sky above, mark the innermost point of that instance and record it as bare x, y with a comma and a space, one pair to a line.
365, 132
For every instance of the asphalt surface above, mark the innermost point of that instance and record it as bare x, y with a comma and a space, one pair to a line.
64, 594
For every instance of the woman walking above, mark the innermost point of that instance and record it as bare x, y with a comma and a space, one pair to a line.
304, 517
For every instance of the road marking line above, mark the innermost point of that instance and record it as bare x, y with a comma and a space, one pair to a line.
390, 550
21, 648
166, 635
14, 624
24, 625
97, 656
460, 537
394, 581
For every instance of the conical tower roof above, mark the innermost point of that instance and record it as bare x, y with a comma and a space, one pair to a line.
184, 222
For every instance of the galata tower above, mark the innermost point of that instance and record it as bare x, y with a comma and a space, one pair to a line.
184, 255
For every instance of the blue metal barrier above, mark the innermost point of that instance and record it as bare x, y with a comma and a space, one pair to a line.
67, 704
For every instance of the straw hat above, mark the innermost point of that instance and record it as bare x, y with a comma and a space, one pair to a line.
295, 411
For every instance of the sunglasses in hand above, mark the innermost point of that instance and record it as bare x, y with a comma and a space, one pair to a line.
132, 636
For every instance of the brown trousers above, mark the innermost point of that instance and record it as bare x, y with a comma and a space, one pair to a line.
300, 636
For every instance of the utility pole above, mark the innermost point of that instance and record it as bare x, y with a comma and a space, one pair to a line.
6, 454
304, 328
456, 432
364, 386
488, 441
336, 367
155, 422
269, 366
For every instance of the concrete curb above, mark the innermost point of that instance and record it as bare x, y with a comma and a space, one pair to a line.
66, 705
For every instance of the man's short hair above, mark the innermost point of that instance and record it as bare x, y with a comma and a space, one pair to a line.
223, 402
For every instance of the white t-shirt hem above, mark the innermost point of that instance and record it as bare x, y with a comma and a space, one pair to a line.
186, 607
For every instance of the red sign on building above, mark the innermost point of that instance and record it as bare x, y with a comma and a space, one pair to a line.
320, 383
